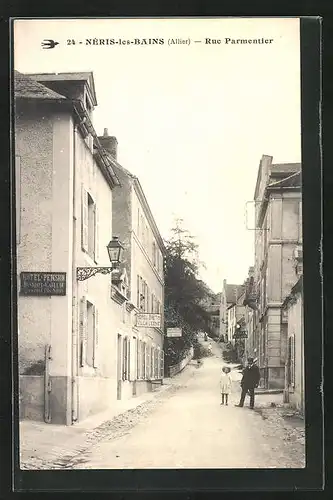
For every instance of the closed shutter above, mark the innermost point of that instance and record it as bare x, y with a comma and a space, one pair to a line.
84, 219
148, 362
124, 358
129, 359
292, 360
161, 364
146, 375
95, 347
138, 349
83, 330
138, 291
97, 246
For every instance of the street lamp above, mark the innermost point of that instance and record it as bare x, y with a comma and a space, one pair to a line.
114, 249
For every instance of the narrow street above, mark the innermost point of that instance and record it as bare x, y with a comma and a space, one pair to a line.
190, 429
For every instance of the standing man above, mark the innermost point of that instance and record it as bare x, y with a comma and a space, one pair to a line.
250, 380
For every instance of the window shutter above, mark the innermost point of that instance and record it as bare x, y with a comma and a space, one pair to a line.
138, 291
145, 374
293, 360
95, 350
129, 364
84, 220
161, 364
83, 330
97, 246
124, 357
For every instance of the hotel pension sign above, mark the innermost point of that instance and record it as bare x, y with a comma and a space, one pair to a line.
43, 283
148, 320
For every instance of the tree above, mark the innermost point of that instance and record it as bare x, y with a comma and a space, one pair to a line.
184, 292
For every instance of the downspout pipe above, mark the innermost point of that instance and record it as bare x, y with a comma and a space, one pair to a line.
74, 387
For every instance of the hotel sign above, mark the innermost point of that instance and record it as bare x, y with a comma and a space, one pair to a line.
43, 283
174, 332
148, 320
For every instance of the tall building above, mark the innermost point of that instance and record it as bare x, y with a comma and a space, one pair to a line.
144, 254
278, 208
64, 221
80, 348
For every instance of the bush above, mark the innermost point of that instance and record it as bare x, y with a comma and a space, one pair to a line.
230, 355
37, 368
201, 351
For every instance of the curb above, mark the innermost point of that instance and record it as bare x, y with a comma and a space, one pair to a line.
63, 458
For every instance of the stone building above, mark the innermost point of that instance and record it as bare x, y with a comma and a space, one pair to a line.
278, 209
64, 207
139, 348
293, 312
76, 338
229, 297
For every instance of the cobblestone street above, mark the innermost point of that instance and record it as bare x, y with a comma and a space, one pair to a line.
184, 426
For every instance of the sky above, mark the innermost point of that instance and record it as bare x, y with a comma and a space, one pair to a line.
192, 120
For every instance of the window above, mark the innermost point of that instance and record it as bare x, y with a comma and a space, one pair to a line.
88, 334
154, 253
143, 295
89, 225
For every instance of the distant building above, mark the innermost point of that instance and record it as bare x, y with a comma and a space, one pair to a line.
139, 349
211, 304
278, 208
229, 297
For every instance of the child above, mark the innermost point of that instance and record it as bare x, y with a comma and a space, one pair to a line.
225, 384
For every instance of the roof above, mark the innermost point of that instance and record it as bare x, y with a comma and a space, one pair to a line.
86, 76
27, 88
296, 289
231, 291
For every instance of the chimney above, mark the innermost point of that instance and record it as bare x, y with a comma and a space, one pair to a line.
110, 143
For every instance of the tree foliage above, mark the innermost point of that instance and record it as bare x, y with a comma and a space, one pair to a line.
184, 293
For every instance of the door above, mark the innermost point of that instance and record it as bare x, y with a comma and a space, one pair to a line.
119, 366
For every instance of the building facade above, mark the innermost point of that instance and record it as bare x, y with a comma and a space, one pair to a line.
64, 207
139, 348
229, 298
79, 349
278, 208
294, 369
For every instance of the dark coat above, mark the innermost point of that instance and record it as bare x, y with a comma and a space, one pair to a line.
251, 377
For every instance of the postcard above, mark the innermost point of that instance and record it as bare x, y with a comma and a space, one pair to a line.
159, 230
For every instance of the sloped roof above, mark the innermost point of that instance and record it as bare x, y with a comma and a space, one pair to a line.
285, 168
231, 290
27, 88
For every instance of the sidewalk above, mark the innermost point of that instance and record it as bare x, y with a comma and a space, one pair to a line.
48, 445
